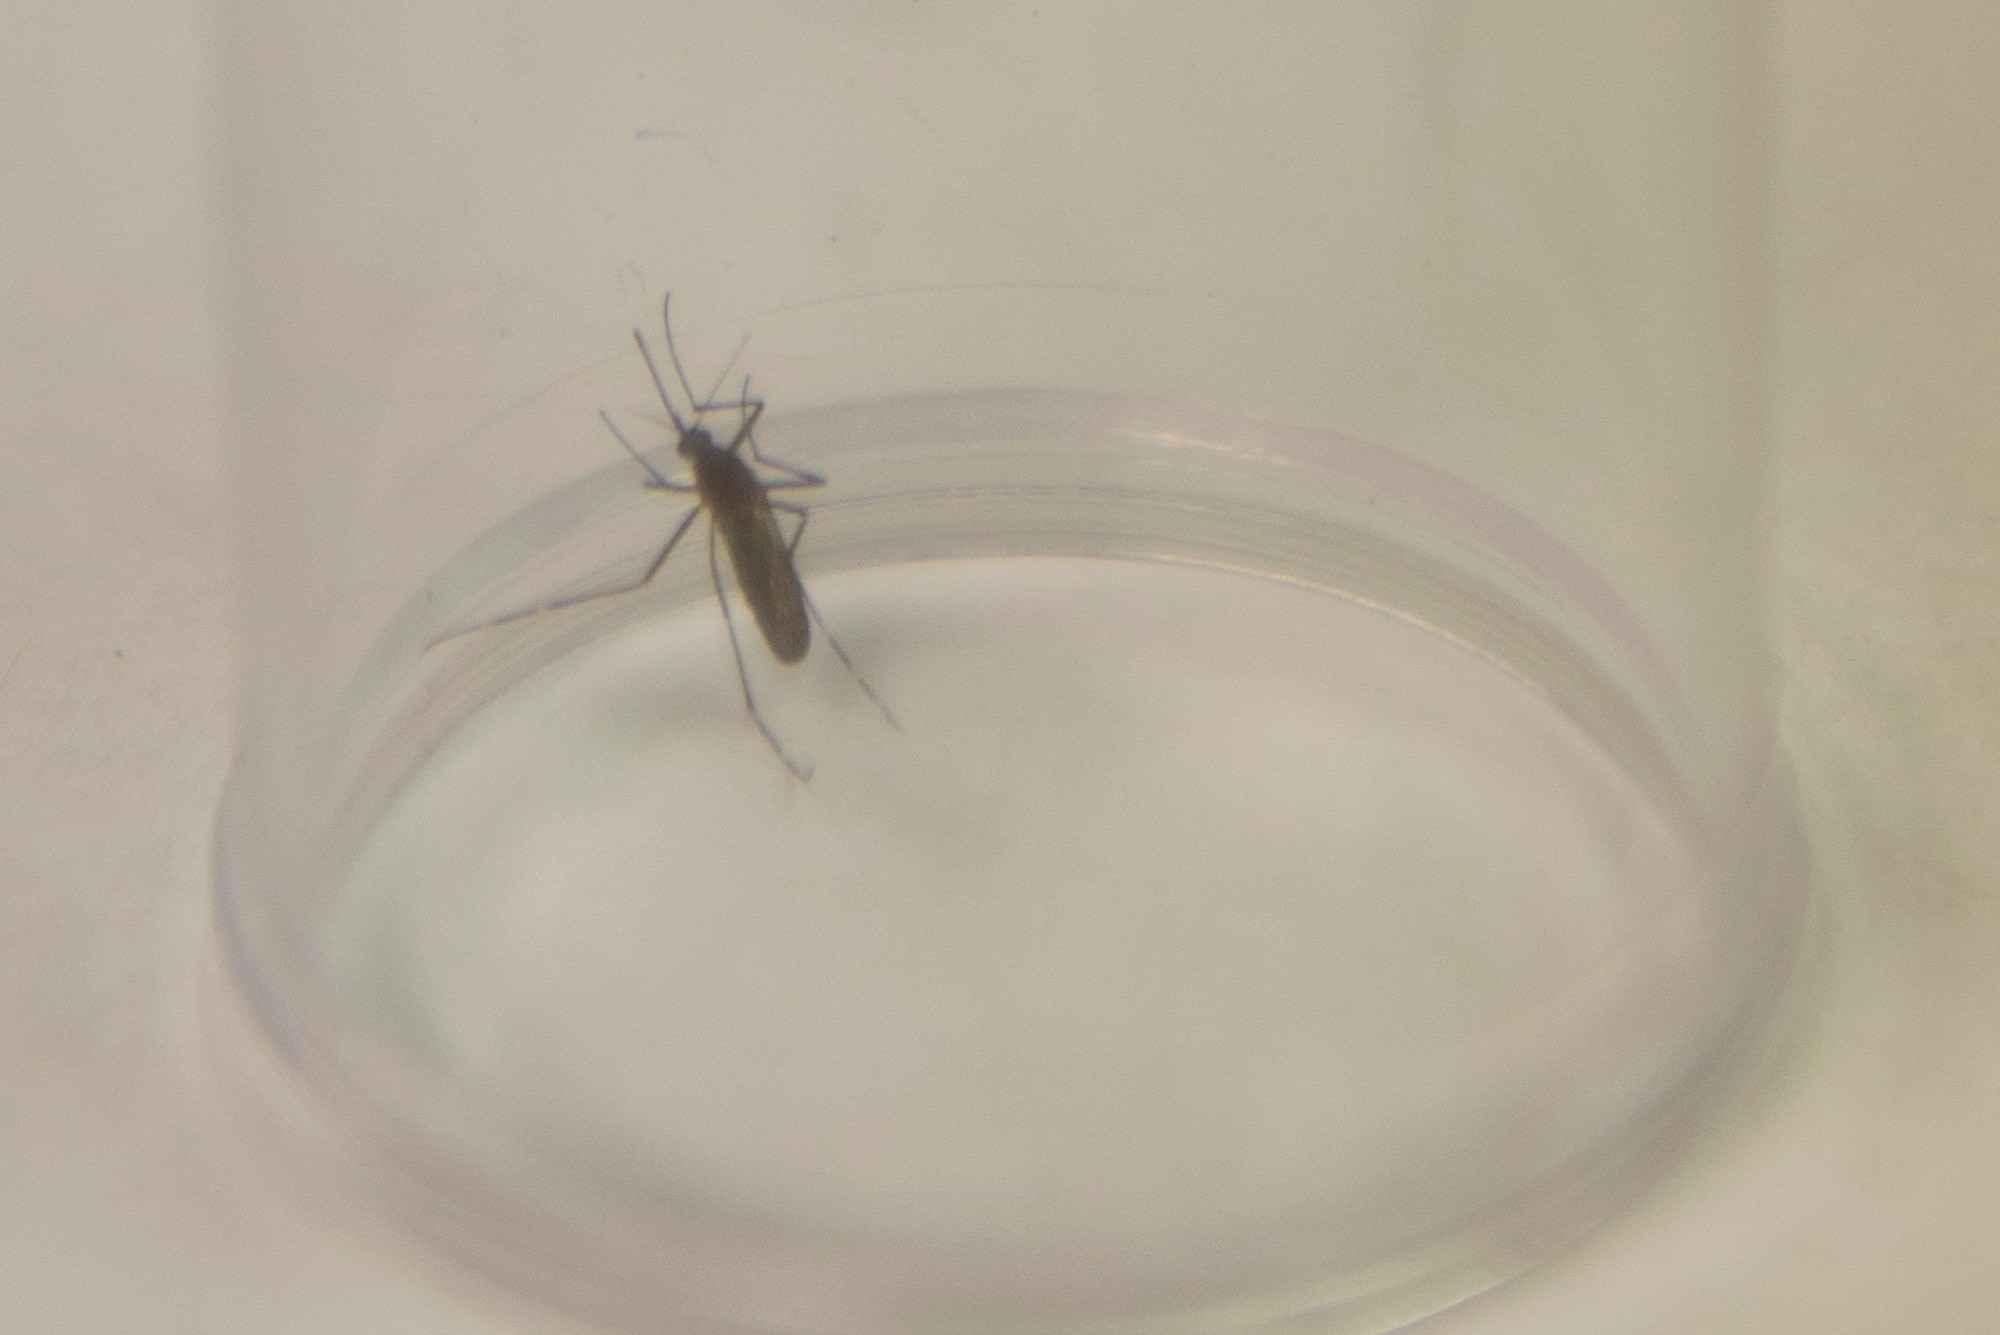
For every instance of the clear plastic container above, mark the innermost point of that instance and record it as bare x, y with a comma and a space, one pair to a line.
1294, 473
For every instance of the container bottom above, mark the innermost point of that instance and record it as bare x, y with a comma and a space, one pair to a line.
1202, 950
1278, 906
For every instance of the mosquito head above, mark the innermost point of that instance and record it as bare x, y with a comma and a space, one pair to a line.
696, 441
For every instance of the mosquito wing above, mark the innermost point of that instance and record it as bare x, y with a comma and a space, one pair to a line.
765, 573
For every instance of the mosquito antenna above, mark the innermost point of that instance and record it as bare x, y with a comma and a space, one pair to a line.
658, 383
668, 321
644, 462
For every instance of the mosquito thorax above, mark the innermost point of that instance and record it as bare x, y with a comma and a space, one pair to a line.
695, 441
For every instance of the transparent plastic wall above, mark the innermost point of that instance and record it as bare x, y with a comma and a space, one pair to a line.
1294, 484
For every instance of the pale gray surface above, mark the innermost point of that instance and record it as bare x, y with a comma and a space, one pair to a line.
1857, 1198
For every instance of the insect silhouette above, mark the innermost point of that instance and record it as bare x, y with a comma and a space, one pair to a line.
742, 511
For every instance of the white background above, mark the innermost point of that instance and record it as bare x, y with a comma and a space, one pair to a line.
1860, 1194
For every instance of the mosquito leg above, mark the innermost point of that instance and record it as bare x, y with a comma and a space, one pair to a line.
799, 476
752, 410
853, 671
800, 772
658, 481
802, 514
840, 653
556, 604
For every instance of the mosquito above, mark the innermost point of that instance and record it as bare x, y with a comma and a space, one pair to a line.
742, 510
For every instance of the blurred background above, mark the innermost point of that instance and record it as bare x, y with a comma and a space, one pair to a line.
1855, 1194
